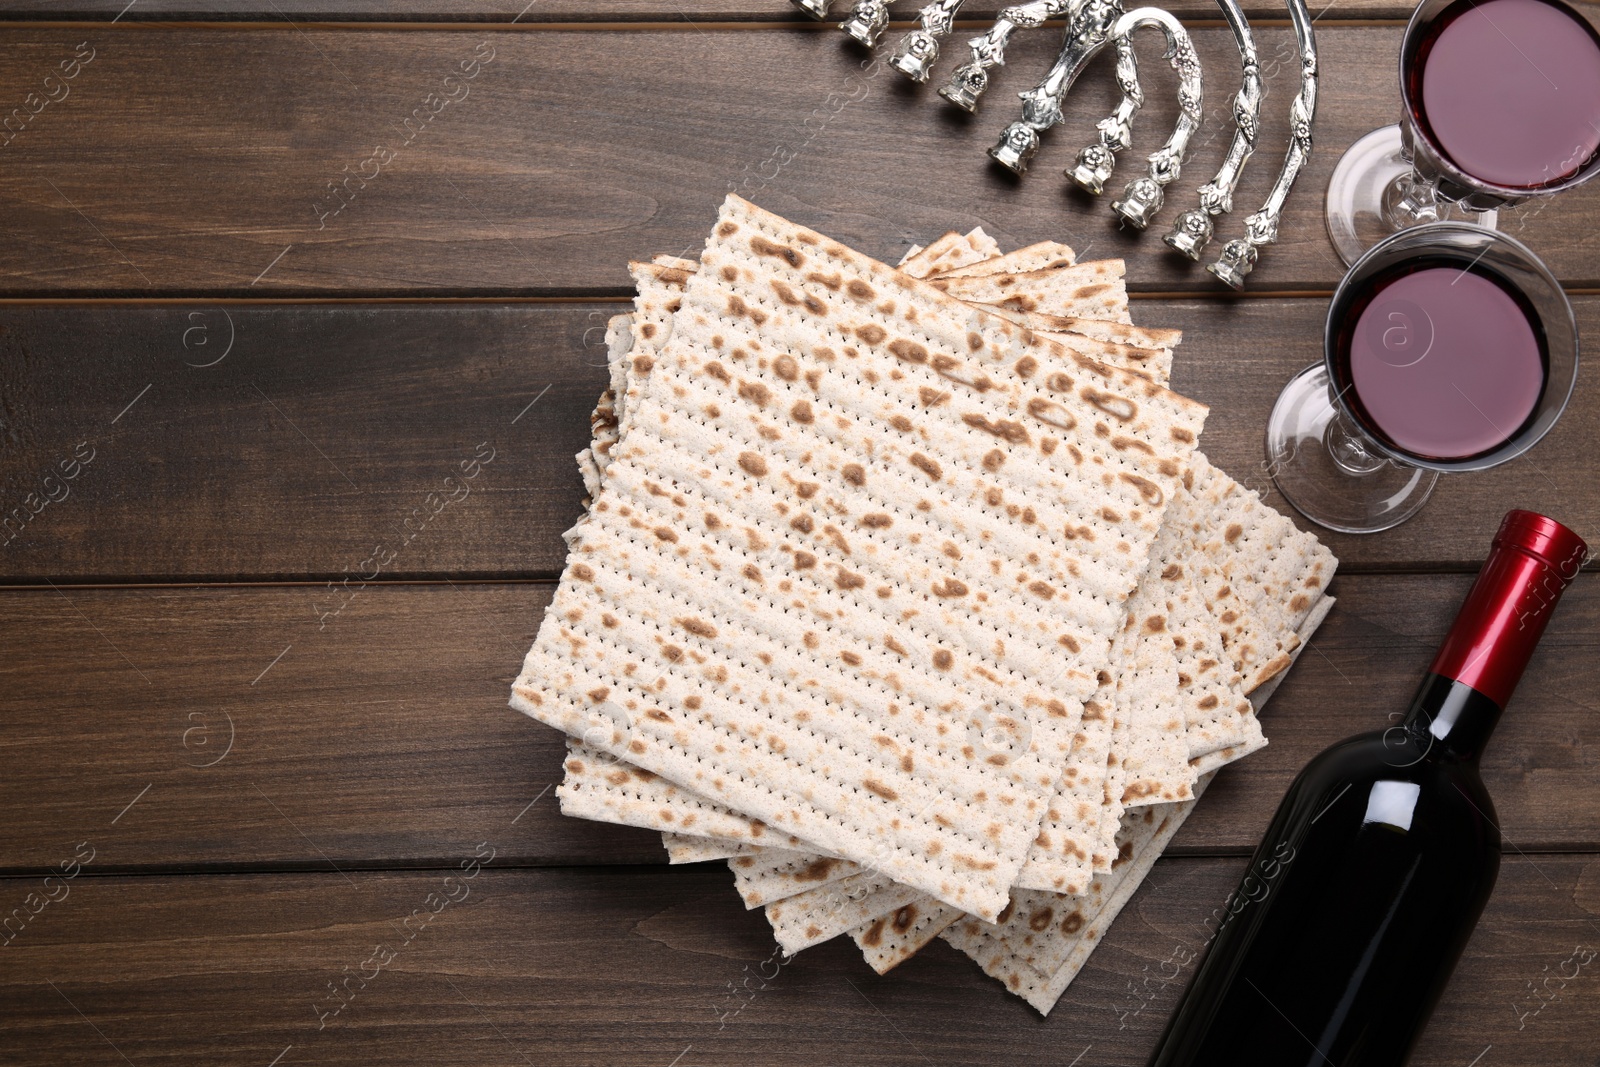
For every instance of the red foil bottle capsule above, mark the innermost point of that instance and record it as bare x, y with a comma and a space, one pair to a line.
1531, 561
1362, 894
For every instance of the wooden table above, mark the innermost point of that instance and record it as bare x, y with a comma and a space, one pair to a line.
258, 758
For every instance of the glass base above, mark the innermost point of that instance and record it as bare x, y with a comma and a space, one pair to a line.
1322, 466
1367, 201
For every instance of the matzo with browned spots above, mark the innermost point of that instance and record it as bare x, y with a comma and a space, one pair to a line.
828, 911
1045, 255
951, 252
656, 293
1045, 938
684, 848
789, 346
1092, 290
773, 874
1258, 574
889, 940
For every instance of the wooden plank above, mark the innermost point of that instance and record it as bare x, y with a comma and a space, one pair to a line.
1236, 357
520, 12
571, 152
383, 736
664, 967
321, 434
305, 732
322, 431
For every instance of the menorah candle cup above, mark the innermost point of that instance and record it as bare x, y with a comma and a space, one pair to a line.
915, 55
1093, 170
966, 86
867, 22
1191, 232
1017, 147
1141, 199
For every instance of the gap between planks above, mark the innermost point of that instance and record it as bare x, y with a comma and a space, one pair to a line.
670, 26
223, 582
620, 296
309, 865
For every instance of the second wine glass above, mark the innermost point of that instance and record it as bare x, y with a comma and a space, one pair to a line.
1448, 347
1500, 102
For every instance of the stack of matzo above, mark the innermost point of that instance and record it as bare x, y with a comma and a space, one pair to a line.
907, 592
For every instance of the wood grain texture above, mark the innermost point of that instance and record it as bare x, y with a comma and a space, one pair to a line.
523, 13
319, 435
665, 967
274, 778
322, 431
572, 152
383, 737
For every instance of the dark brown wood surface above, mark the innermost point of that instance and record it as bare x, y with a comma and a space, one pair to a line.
974, 16
317, 433
344, 750
572, 152
633, 966
274, 762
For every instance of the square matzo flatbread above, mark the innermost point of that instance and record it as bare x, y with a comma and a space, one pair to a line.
950, 252
783, 368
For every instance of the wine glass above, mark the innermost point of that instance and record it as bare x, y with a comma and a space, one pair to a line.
1448, 347
1501, 102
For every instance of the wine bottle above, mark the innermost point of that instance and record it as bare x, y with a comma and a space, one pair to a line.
1357, 904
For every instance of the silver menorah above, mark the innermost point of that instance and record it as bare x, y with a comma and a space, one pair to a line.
1091, 27
970, 79
1193, 229
918, 50
1089, 30
1239, 256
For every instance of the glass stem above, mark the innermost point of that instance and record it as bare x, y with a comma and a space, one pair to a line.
1409, 201
1350, 448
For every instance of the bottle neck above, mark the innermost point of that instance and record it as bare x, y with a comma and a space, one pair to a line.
1448, 719
1532, 560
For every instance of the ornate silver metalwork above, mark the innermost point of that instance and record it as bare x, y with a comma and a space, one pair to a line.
917, 52
1088, 32
1193, 229
1142, 197
1090, 26
1239, 256
1096, 161
969, 80
867, 21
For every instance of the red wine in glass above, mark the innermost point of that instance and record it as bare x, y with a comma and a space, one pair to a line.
1440, 358
1508, 91
1500, 102
1448, 347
